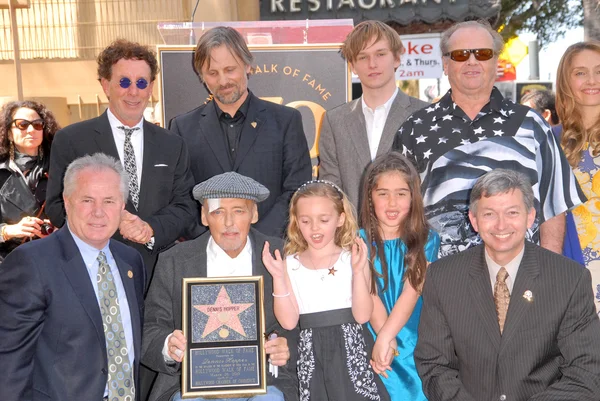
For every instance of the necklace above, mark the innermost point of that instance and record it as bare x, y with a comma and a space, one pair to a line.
331, 269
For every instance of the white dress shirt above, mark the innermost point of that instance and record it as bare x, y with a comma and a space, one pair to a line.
375, 121
90, 255
219, 264
137, 141
511, 267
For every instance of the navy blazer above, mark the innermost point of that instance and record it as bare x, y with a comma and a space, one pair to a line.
166, 202
52, 343
272, 150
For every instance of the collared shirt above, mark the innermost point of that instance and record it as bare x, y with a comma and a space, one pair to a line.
90, 255
511, 267
137, 141
219, 264
232, 125
375, 121
452, 151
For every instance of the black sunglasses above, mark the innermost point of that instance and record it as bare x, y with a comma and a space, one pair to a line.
22, 124
462, 55
140, 83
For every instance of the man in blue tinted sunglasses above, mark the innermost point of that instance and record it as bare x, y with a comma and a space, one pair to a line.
160, 202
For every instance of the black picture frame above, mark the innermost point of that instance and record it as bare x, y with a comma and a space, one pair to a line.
224, 324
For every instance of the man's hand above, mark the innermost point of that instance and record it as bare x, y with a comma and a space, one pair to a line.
176, 346
278, 351
135, 229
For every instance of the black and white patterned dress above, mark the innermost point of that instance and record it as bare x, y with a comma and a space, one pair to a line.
333, 351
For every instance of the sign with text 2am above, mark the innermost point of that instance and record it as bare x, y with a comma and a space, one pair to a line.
421, 57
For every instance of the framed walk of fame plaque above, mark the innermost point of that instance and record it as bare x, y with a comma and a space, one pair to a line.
223, 322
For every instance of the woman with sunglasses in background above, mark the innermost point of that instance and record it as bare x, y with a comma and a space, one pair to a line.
26, 131
578, 107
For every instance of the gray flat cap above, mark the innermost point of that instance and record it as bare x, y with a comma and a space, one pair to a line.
230, 185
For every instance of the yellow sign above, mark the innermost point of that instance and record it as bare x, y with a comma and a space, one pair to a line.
515, 51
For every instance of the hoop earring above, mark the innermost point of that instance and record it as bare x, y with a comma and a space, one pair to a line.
11, 150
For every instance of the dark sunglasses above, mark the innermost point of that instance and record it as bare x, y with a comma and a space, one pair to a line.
140, 83
21, 124
462, 55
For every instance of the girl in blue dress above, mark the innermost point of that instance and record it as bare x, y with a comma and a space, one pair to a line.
400, 246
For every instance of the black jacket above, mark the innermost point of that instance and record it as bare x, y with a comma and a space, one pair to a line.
17, 200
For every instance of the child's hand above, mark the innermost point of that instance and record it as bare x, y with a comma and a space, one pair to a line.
380, 369
275, 266
359, 255
383, 351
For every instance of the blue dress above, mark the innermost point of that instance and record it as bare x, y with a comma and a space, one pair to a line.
403, 382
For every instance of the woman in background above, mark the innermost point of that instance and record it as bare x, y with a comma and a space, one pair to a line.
26, 131
578, 106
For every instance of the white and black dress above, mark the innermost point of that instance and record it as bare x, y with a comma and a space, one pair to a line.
333, 352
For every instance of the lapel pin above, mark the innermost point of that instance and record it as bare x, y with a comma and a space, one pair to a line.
528, 295
253, 124
129, 274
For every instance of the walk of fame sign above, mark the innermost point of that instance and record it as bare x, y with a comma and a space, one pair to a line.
223, 322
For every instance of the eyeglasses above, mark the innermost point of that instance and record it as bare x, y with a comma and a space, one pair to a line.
140, 83
462, 55
23, 125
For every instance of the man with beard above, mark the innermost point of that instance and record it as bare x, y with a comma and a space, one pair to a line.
231, 248
237, 131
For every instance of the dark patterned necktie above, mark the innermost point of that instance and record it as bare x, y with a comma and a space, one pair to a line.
501, 297
120, 371
131, 166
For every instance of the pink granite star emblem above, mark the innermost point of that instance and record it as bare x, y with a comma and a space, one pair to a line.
223, 313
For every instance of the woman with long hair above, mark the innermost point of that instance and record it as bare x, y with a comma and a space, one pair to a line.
578, 106
26, 131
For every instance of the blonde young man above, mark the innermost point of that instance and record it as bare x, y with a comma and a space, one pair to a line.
353, 134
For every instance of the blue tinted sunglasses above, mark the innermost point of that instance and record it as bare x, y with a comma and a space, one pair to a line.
140, 83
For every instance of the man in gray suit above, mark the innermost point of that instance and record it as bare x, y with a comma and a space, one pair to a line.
353, 134
507, 320
230, 248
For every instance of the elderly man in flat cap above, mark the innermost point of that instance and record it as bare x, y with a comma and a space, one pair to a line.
231, 247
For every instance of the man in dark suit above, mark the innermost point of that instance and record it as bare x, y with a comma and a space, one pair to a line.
239, 132
507, 320
353, 134
71, 304
160, 205
230, 248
